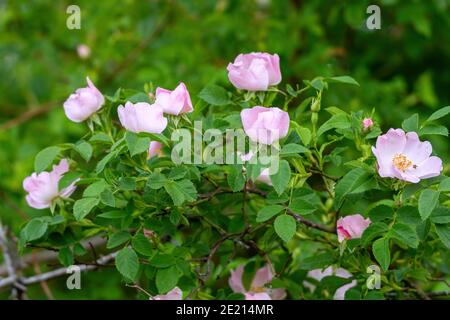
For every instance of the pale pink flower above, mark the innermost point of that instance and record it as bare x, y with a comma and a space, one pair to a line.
264, 177
155, 149
257, 290
405, 157
83, 51
265, 125
174, 294
42, 187
83, 103
142, 117
351, 227
255, 71
174, 102
319, 274
367, 123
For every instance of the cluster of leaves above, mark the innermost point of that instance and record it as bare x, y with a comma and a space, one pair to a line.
188, 225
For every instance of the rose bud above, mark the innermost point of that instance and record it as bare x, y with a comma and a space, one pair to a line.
142, 117
83, 103
174, 102
255, 71
265, 125
351, 227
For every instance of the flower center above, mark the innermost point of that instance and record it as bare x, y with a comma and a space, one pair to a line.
401, 162
258, 289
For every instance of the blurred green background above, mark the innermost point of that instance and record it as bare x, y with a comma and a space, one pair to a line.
402, 68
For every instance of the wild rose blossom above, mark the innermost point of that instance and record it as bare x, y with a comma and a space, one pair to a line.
174, 102
42, 187
264, 176
351, 227
318, 275
405, 157
257, 291
83, 103
155, 149
174, 294
367, 123
255, 71
265, 125
142, 117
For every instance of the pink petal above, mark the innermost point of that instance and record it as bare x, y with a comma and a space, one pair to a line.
235, 281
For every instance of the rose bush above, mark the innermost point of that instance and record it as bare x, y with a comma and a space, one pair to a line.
309, 229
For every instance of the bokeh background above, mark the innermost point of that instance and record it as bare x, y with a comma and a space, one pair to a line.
402, 68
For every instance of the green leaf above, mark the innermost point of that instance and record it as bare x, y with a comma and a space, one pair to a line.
411, 123
215, 95
118, 238
45, 158
304, 134
445, 184
443, 231
409, 215
180, 191
113, 215
107, 198
100, 137
166, 279
285, 226
406, 234
293, 148
82, 207
339, 121
268, 212
95, 189
136, 144
127, 263
68, 179
440, 215
428, 200
162, 261
235, 178
318, 261
35, 229
142, 245
177, 173
439, 114
84, 149
156, 180
374, 230
280, 179
127, 184
102, 163
356, 181
65, 256
434, 130
382, 253
343, 79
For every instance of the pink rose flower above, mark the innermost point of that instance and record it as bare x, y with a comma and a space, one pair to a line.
264, 177
83, 51
142, 117
174, 294
255, 71
405, 157
318, 275
257, 291
265, 125
83, 103
155, 149
42, 187
367, 123
351, 227
174, 102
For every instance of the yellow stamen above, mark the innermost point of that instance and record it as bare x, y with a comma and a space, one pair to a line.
258, 289
401, 162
